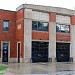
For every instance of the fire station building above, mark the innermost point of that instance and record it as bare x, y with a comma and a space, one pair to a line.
35, 33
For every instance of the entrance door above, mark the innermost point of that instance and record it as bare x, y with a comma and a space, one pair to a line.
18, 52
5, 47
62, 52
39, 51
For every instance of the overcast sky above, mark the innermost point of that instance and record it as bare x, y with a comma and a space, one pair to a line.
13, 4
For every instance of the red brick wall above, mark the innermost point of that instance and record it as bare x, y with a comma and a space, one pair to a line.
72, 20
20, 32
63, 37
9, 35
7, 15
36, 35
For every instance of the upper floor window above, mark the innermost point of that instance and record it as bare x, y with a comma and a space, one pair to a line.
6, 25
40, 26
63, 28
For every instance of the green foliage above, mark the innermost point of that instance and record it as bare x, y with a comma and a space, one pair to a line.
1, 73
3, 68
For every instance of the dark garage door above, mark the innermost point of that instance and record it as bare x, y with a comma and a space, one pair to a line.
62, 52
39, 51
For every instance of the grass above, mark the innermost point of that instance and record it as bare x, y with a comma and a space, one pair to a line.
1, 73
3, 68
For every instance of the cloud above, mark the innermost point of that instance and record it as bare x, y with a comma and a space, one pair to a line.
13, 4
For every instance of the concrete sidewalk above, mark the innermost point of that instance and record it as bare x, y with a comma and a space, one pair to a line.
40, 68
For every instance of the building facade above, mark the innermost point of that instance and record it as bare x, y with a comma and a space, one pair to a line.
35, 33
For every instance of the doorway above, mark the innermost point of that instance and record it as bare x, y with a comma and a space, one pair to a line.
18, 52
5, 49
39, 51
62, 52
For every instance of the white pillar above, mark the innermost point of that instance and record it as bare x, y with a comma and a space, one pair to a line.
52, 38
27, 34
72, 49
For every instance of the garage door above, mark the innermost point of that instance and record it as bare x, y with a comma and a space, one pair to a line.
62, 52
39, 51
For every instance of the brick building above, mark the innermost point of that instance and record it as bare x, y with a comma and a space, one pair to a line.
35, 33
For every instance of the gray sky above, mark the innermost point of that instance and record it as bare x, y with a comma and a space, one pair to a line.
13, 4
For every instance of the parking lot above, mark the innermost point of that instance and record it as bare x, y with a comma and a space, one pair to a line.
40, 68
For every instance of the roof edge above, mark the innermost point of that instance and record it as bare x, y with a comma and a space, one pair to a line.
47, 9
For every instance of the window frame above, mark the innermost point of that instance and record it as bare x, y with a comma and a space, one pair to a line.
6, 26
36, 25
37, 29
61, 29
